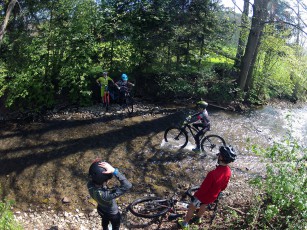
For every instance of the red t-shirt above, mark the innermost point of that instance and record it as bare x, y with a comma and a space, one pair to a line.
215, 182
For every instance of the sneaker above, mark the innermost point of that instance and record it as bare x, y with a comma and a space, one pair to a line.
196, 220
196, 150
182, 225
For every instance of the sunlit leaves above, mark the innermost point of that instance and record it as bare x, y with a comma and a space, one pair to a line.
284, 186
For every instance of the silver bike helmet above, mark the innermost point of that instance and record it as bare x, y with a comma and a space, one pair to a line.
228, 154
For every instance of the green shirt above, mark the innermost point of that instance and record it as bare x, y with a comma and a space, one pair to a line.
104, 80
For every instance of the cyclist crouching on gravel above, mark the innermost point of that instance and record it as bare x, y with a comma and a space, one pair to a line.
202, 124
215, 182
100, 173
123, 86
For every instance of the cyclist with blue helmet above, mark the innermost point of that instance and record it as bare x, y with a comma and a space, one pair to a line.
123, 86
103, 83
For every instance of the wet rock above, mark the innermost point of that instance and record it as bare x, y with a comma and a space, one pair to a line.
65, 200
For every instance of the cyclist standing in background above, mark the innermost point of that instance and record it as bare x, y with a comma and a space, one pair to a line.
103, 83
100, 173
202, 124
123, 85
215, 182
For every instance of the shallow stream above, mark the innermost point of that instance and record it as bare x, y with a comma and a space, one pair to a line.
44, 162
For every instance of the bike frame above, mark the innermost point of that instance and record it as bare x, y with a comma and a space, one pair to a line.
106, 96
192, 130
175, 206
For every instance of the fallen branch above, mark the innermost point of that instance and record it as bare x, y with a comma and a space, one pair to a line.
235, 209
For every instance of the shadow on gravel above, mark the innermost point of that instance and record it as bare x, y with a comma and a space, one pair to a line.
39, 159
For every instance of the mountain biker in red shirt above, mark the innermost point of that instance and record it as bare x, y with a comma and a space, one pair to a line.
202, 124
215, 182
100, 173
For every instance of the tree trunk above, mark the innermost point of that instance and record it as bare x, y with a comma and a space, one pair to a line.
201, 51
249, 80
6, 19
259, 16
242, 37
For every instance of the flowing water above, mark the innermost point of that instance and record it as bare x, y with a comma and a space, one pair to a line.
45, 161
262, 126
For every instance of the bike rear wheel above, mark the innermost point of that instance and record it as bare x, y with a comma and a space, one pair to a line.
176, 137
129, 104
149, 207
212, 143
106, 100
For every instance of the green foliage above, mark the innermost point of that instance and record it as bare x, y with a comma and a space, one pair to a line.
3, 74
7, 221
284, 198
50, 52
174, 85
280, 71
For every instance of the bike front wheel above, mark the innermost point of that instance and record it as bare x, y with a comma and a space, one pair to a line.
149, 207
212, 143
176, 137
106, 100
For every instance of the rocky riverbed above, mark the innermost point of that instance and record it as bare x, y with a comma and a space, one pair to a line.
45, 163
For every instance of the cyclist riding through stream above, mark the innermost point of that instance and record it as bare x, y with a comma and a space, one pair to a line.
202, 123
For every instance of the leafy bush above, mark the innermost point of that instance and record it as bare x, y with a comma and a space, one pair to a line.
280, 70
7, 221
284, 198
203, 84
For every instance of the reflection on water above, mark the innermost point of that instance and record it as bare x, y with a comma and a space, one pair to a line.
261, 126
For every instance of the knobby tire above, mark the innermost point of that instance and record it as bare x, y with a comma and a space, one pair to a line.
176, 135
129, 104
212, 143
107, 100
149, 207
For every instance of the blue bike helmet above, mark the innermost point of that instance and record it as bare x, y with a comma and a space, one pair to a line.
124, 77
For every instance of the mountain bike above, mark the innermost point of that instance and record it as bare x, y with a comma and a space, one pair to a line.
106, 96
127, 100
178, 137
155, 208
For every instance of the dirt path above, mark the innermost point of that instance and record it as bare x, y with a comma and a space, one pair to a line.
43, 163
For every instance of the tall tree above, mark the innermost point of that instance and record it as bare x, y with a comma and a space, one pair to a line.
6, 18
243, 33
260, 13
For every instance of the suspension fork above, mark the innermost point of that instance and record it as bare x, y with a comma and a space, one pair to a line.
182, 130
